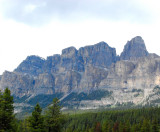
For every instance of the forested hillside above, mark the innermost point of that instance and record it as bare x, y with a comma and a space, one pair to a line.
132, 120
51, 119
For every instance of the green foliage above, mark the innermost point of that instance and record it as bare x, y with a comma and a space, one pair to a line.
137, 90
146, 126
53, 117
7, 120
44, 100
20, 100
155, 125
128, 120
52, 121
105, 126
1, 111
23, 126
132, 120
36, 122
97, 94
76, 98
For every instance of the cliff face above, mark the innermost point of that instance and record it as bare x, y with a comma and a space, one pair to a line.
98, 55
134, 49
32, 65
128, 78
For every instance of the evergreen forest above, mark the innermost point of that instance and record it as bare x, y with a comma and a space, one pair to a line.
146, 119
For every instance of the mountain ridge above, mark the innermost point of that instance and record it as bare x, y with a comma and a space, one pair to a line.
95, 71
134, 49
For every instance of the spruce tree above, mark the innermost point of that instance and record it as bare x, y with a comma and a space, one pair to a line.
145, 126
36, 121
105, 126
6, 111
121, 127
127, 126
1, 112
155, 125
54, 118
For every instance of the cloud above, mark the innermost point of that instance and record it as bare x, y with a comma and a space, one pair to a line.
40, 12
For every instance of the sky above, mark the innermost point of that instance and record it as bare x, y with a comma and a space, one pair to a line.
45, 27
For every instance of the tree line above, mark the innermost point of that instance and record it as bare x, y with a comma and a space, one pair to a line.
131, 120
52, 120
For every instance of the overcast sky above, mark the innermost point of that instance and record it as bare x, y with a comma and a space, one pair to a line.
45, 27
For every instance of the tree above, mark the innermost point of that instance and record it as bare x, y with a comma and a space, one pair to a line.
36, 121
105, 126
145, 126
116, 127
127, 126
23, 126
121, 127
98, 127
53, 117
6, 111
1, 112
155, 125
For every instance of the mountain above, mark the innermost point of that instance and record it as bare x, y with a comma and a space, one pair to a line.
134, 49
32, 65
91, 77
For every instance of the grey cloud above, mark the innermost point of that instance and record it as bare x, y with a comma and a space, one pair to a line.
39, 12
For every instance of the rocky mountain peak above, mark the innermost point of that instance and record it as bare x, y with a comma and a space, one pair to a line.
33, 58
76, 75
101, 46
137, 40
69, 52
134, 49
31, 65
100, 54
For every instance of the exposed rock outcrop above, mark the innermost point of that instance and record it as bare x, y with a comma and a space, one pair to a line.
19, 84
100, 54
32, 66
134, 49
127, 78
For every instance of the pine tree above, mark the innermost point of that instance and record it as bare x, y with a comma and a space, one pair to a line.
54, 118
145, 126
24, 126
127, 126
121, 127
1, 112
155, 126
105, 126
6, 111
36, 121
